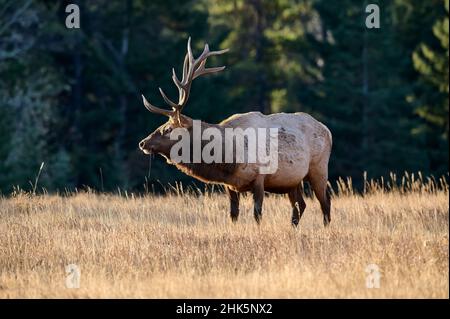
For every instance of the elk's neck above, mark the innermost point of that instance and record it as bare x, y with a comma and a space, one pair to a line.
215, 172
222, 173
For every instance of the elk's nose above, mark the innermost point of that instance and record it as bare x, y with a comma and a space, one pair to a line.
141, 144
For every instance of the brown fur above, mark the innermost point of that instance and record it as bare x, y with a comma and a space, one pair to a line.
244, 177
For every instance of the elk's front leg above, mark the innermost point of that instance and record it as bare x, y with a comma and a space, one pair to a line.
234, 203
258, 197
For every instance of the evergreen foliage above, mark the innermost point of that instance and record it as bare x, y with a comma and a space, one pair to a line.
71, 97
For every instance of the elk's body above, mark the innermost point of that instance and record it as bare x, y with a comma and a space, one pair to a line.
304, 147
303, 144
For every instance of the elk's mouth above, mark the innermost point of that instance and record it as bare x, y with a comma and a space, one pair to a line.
145, 148
148, 151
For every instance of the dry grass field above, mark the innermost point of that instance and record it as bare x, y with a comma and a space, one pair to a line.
185, 246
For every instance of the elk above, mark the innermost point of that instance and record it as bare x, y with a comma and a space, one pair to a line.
304, 148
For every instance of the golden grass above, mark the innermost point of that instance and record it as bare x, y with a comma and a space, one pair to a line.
185, 246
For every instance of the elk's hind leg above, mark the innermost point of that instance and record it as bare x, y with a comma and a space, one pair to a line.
234, 203
318, 183
298, 204
258, 197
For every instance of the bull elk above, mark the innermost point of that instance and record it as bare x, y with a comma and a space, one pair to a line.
304, 147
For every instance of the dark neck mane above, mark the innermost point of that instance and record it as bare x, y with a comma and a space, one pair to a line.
208, 172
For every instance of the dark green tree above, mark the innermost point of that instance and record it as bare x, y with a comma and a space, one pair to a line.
367, 76
431, 97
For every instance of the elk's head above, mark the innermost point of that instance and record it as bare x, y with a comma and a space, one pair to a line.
159, 141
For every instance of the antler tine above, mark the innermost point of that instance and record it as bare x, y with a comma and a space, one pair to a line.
218, 52
176, 80
205, 71
188, 57
189, 53
206, 54
202, 56
185, 67
178, 83
167, 100
201, 70
196, 68
194, 63
191, 65
192, 68
155, 109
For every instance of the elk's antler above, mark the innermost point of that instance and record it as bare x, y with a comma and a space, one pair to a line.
192, 69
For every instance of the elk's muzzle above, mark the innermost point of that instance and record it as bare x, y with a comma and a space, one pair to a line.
145, 147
